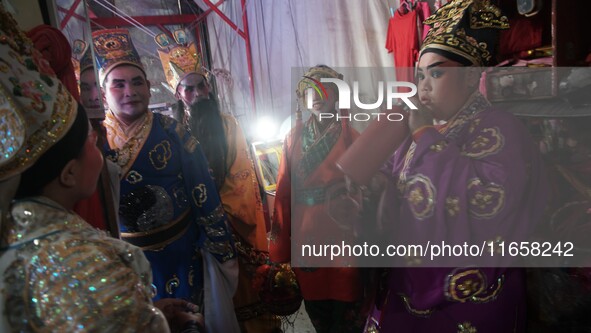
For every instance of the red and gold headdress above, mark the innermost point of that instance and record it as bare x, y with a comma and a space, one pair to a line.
112, 48
178, 59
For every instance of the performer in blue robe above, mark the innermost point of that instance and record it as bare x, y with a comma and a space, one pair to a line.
169, 204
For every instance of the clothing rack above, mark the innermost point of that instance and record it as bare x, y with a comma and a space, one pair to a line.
405, 6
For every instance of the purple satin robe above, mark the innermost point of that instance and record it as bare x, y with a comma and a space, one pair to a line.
478, 179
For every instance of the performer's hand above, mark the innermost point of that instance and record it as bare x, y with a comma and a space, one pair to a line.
420, 117
180, 314
344, 202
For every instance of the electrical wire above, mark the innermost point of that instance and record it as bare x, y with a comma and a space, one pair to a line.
118, 12
295, 32
267, 56
138, 25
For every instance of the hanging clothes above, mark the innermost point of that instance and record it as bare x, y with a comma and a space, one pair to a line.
402, 40
423, 12
405, 33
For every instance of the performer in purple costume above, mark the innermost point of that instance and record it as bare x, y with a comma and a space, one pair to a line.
474, 177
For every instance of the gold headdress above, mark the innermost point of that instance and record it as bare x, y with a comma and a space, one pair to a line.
82, 57
36, 110
180, 59
466, 28
114, 47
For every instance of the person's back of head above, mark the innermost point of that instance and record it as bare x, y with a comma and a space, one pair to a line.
69, 170
45, 138
38, 113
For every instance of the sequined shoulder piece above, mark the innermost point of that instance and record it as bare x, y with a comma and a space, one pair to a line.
76, 279
71, 283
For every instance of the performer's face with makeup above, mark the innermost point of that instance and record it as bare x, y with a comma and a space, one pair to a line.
443, 85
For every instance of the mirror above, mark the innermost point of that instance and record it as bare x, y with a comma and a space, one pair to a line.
147, 21
267, 156
71, 18
150, 23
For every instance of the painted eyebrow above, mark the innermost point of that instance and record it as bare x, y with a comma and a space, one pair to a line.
435, 64
137, 78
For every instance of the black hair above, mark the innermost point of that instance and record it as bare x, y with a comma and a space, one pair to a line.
52, 162
208, 127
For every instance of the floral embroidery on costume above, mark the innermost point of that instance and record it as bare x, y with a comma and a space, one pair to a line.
413, 311
463, 285
199, 194
466, 327
452, 205
485, 200
420, 194
439, 146
133, 177
489, 142
160, 155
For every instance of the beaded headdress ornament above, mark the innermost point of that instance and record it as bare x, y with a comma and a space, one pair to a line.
36, 110
178, 58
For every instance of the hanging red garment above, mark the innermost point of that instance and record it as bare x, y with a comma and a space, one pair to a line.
402, 39
91, 210
423, 12
524, 34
